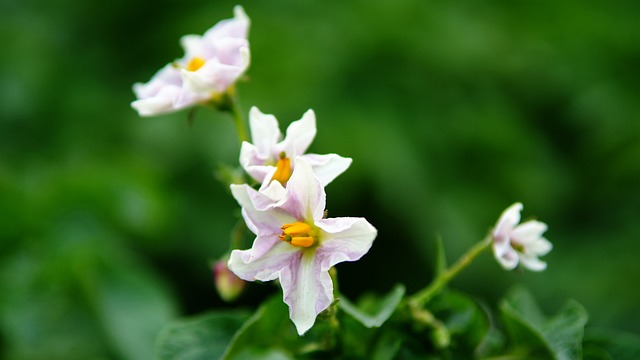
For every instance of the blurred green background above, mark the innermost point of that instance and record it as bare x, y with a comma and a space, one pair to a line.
451, 111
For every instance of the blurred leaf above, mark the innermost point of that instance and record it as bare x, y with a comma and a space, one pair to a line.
559, 337
133, 307
198, 338
463, 318
268, 329
611, 344
371, 311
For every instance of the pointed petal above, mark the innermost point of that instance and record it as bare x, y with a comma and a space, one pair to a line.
305, 197
300, 134
509, 218
306, 289
528, 232
327, 167
264, 132
264, 265
343, 239
252, 162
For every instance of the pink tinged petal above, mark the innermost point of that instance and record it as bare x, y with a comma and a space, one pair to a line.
305, 198
250, 266
528, 232
265, 132
507, 257
300, 134
508, 220
236, 27
259, 211
531, 262
252, 162
162, 102
343, 239
327, 167
306, 289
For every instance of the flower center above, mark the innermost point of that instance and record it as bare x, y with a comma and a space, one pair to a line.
517, 246
195, 63
283, 169
298, 234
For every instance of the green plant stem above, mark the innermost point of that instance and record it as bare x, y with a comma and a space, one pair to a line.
423, 296
238, 119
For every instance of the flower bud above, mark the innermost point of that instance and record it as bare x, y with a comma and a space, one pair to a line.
228, 285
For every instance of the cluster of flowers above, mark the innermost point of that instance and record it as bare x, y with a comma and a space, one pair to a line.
295, 242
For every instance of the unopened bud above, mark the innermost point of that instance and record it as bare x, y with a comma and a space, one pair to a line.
228, 285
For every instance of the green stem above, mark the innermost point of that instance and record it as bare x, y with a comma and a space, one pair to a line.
238, 119
423, 296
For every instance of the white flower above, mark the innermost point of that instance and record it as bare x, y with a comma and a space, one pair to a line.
523, 243
212, 63
272, 158
296, 244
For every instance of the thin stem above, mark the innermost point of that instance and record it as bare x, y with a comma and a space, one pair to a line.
238, 119
423, 296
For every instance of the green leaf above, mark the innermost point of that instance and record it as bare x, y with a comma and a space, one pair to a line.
611, 344
373, 312
465, 321
198, 338
268, 329
559, 337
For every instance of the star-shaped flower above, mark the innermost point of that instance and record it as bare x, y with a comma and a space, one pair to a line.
296, 244
212, 63
272, 158
515, 243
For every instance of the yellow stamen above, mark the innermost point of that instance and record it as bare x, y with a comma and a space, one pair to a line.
195, 63
303, 241
298, 234
283, 170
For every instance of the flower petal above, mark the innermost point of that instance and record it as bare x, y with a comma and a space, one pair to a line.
506, 256
540, 247
306, 289
254, 211
531, 262
343, 239
528, 232
509, 218
305, 197
327, 167
300, 134
264, 132
265, 266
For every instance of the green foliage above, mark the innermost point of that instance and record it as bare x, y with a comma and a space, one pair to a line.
373, 312
201, 337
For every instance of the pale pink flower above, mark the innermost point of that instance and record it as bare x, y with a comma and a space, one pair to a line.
296, 244
515, 243
211, 65
270, 157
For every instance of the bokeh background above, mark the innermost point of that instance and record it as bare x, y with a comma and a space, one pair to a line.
451, 111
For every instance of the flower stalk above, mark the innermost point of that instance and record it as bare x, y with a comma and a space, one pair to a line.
423, 296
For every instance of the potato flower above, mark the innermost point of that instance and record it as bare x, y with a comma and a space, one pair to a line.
515, 243
272, 158
296, 244
211, 65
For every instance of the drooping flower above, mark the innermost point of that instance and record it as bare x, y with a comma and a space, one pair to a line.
272, 158
515, 243
210, 67
296, 244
